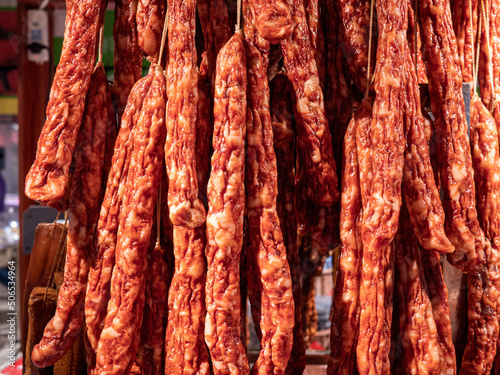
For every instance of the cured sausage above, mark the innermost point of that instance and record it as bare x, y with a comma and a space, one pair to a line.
355, 18
184, 340
65, 327
48, 178
438, 293
185, 343
345, 320
155, 312
317, 35
312, 125
103, 256
127, 58
417, 326
265, 247
281, 106
381, 159
273, 19
453, 149
119, 338
483, 283
150, 17
226, 200
489, 63
465, 26
185, 207
421, 194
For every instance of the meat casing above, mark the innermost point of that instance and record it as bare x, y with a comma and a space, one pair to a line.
267, 249
127, 58
312, 125
337, 88
438, 293
182, 79
317, 35
150, 16
418, 329
214, 20
466, 34
252, 231
281, 106
120, 336
273, 19
204, 127
453, 149
381, 160
155, 313
345, 320
490, 54
103, 257
484, 281
226, 201
203, 7
415, 43
47, 180
421, 193
184, 342
355, 17
64, 328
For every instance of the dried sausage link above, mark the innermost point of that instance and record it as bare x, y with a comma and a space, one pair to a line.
214, 20
204, 127
438, 294
185, 207
203, 7
127, 58
421, 194
482, 301
65, 327
345, 319
380, 150
267, 250
414, 27
155, 312
466, 36
119, 338
355, 18
486, 163
219, 14
338, 101
48, 178
273, 19
418, 329
226, 197
184, 342
490, 54
317, 35
103, 256
261, 49
150, 17
484, 282
281, 107
453, 149
312, 125
494, 18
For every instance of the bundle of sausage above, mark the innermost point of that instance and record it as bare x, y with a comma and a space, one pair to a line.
229, 188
